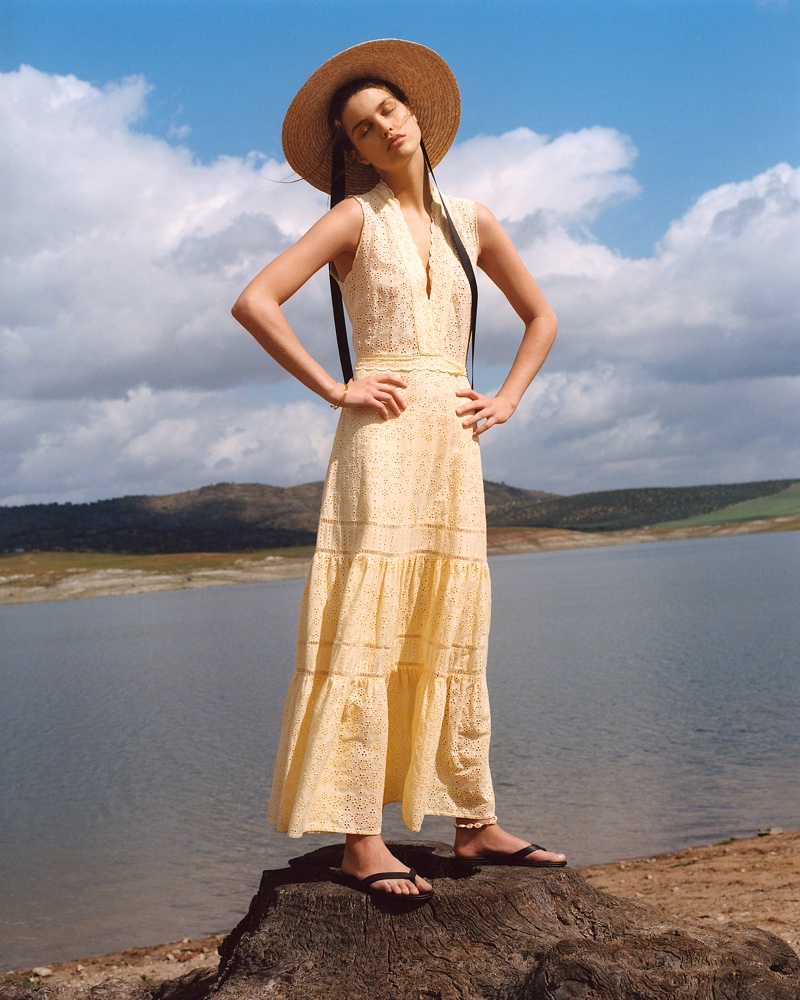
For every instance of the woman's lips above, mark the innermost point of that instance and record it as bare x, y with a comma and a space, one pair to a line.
394, 140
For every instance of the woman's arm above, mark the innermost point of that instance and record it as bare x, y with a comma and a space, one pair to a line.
334, 238
499, 259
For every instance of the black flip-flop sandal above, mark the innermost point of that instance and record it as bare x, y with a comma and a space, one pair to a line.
366, 885
515, 860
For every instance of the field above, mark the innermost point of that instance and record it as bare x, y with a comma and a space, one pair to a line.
44, 576
783, 504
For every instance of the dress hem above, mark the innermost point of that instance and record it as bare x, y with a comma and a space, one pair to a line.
363, 833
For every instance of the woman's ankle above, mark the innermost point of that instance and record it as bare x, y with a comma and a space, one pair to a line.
465, 823
356, 840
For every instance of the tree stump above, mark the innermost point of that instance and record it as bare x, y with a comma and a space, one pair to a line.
491, 933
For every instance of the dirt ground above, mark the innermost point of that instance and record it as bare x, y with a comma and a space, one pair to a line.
156, 963
755, 881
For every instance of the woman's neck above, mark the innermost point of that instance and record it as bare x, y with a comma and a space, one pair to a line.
411, 185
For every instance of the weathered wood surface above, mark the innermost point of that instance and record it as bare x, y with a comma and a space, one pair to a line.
489, 934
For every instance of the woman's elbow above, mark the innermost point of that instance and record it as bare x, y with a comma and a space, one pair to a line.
547, 323
242, 308
553, 325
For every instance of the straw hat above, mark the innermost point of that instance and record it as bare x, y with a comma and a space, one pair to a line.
418, 71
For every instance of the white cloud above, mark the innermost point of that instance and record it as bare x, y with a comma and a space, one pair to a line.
124, 254
679, 368
718, 300
608, 426
162, 442
521, 173
123, 372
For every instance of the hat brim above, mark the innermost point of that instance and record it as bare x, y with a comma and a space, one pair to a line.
418, 71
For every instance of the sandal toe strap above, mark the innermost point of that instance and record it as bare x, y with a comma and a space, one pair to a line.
380, 876
525, 851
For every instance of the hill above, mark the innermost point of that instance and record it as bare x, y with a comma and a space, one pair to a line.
783, 504
222, 518
615, 510
232, 517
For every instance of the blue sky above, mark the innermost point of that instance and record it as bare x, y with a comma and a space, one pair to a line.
671, 100
709, 90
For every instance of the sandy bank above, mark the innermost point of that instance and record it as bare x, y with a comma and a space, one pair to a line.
31, 577
753, 881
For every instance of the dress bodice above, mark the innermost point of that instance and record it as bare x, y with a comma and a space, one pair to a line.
386, 290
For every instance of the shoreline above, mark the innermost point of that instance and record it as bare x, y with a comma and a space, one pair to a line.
750, 880
37, 577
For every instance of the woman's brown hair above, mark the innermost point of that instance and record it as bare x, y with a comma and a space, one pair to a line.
343, 95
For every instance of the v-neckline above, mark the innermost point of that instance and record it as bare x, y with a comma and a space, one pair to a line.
427, 271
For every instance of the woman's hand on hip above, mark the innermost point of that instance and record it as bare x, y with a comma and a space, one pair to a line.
489, 409
377, 392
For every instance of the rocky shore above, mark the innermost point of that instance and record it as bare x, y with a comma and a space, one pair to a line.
753, 881
34, 577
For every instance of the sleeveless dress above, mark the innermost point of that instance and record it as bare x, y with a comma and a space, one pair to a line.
388, 701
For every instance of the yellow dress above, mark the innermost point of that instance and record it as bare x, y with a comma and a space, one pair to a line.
388, 701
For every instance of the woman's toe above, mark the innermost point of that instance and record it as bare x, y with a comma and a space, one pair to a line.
542, 855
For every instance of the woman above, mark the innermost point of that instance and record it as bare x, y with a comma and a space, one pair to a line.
388, 702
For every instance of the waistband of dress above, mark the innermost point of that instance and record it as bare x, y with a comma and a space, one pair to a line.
409, 363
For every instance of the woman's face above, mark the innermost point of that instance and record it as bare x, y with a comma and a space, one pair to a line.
383, 130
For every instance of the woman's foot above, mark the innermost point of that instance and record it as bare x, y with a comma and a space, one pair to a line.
493, 840
367, 855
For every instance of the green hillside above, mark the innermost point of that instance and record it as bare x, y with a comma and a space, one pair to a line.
616, 510
783, 504
231, 517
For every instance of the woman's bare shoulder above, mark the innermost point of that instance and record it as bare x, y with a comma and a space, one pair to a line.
484, 216
348, 213
349, 208
337, 231
490, 233
342, 223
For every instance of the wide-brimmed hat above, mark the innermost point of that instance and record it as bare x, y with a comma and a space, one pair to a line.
418, 71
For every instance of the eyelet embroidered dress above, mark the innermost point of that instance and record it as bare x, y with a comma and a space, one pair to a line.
389, 701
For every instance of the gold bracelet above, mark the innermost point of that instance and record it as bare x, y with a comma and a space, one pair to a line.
335, 406
476, 826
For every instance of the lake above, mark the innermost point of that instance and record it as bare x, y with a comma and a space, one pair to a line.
644, 698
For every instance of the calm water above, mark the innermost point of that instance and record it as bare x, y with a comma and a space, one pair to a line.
644, 698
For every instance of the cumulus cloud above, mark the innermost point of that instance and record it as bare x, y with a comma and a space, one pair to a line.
123, 372
125, 254
610, 426
160, 442
718, 299
522, 174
